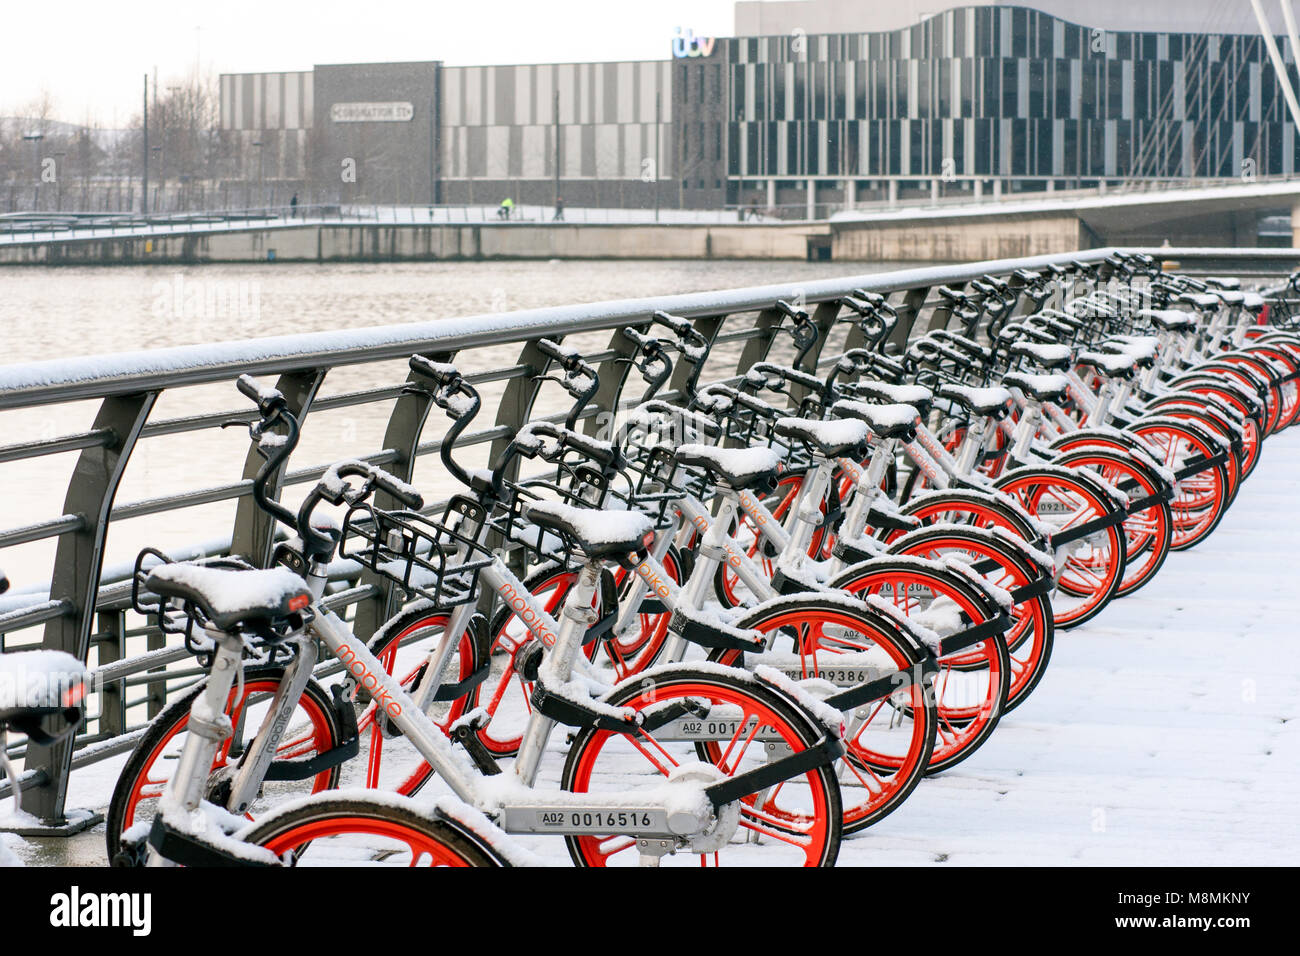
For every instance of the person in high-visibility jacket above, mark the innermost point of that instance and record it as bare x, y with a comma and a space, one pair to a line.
507, 207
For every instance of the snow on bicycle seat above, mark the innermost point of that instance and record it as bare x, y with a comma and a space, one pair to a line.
833, 438
1043, 388
1112, 365
1230, 297
35, 684
887, 421
1168, 319
982, 401
1252, 302
1202, 300
1224, 282
1052, 357
1144, 348
230, 598
918, 396
740, 468
596, 533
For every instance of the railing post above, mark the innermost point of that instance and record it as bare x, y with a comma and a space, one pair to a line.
402, 436
909, 312
77, 565
110, 641
253, 535
755, 349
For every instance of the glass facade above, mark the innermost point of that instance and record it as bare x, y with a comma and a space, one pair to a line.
1004, 92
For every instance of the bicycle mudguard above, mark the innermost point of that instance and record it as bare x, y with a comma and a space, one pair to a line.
974, 635
691, 626
825, 751
883, 686
573, 713
190, 849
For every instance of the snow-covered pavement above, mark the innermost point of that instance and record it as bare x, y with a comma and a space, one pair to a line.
1164, 733
1166, 730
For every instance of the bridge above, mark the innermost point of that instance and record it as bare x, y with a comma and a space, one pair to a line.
952, 229
81, 604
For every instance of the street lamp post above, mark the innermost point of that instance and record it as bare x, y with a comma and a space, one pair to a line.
261, 171
157, 150
34, 139
58, 181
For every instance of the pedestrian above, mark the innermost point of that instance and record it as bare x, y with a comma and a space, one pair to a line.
507, 206
559, 209
293, 206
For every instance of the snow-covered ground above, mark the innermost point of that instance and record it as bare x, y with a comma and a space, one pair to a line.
1164, 733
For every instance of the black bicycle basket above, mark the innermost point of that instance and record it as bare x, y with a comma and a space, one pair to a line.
419, 554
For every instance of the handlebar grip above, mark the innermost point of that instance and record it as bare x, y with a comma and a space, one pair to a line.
554, 350
268, 399
678, 325
441, 373
403, 493
249, 388
785, 308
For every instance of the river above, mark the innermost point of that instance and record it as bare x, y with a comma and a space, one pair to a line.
48, 313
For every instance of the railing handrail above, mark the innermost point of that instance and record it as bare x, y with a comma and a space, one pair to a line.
73, 379
123, 373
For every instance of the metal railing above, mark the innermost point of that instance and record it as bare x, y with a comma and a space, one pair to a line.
86, 606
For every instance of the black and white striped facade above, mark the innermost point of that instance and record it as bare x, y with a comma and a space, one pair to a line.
971, 97
1005, 92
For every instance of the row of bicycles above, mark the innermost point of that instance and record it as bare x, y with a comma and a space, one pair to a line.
738, 628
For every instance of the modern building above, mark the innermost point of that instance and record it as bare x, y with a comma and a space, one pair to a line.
811, 103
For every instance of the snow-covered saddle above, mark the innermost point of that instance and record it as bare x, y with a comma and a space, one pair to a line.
229, 598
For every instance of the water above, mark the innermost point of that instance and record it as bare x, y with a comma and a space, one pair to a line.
48, 313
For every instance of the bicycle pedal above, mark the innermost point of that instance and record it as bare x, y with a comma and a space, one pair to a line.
465, 732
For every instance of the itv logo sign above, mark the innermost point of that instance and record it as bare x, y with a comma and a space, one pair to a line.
688, 44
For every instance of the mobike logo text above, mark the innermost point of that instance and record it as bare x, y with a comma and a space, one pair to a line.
531, 620
369, 682
750, 504
851, 469
701, 523
924, 462
76, 909
657, 584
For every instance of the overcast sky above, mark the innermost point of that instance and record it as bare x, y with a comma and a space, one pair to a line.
91, 56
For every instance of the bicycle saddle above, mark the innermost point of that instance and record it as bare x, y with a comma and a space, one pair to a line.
887, 421
1053, 358
1168, 319
980, 401
1110, 364
598, 534
231, 598
918, 396
740, 468
35, 685
832, 438
1043, 388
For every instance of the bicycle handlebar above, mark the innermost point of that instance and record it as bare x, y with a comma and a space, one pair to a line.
576, 370
273, 409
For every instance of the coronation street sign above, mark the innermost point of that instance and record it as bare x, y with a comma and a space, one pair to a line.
372, 112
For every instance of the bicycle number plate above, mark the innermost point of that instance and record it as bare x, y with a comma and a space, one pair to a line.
847, 676
632, 821
712, 728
